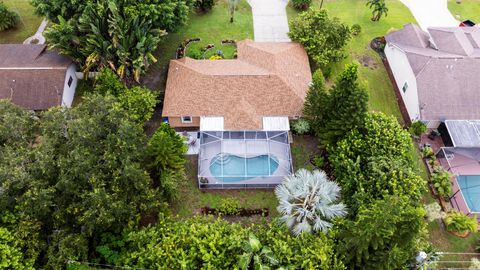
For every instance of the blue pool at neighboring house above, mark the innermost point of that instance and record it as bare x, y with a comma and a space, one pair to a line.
470, 186
237, 168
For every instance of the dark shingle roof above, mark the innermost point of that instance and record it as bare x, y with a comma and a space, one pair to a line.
31, 76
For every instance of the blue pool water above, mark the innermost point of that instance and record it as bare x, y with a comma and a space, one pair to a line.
470, 186
234, 167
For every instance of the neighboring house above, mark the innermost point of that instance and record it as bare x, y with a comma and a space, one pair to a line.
35, 78
242, 109
436, 72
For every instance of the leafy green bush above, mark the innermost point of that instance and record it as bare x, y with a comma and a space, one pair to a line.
428, 152
459, 222
8, 19
229, 206
356, 29
322, 37
301, 126
418, 128
441, 182
318, 161
301, 4
139, 102
204, 5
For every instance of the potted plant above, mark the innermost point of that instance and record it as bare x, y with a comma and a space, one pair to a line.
460, 224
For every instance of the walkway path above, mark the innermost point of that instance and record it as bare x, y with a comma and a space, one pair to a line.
430, 13
270, 23
39, 34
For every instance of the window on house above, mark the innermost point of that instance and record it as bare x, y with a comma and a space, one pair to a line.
405, 87
186, 119
70, 80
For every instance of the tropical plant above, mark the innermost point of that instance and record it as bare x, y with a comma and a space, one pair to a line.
461, 223
434, 211
255, 255
139, 102
301, 126
417, 128
308, 201
301, 4
166, 150
204, 5
8, 19
428, 152
322, 37
474, 264
232, 6
316, 105
378, 7
441, 182
356, 29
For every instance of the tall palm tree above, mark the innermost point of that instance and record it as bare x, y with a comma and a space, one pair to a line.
308, 201
256, 256
378, 8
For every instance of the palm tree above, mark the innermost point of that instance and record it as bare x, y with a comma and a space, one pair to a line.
256, 256
232, 6
378, 8
308, 201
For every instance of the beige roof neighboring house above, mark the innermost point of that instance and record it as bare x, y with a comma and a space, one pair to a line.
446, 64
31, 76
266, 79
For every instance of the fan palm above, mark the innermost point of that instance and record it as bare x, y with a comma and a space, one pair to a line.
256, 256
378, 8
308, 201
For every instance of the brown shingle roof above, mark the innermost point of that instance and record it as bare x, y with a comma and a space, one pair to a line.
31, 76
267, 79
446, 71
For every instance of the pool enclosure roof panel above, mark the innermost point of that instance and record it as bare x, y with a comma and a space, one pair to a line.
464, 133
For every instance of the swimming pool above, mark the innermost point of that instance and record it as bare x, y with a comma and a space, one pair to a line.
237, 168
470, 186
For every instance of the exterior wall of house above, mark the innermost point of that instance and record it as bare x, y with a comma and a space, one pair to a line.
176, 122
69, 91
403, 73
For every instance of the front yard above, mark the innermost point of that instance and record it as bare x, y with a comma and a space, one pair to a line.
27, 26
467, 9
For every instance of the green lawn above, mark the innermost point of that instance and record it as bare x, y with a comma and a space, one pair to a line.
372, 73
467, 9
28, 25
211, 28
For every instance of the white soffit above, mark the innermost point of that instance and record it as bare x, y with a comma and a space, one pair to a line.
276, 123
211, 123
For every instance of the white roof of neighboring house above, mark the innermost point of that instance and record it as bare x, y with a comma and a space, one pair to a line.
464, 133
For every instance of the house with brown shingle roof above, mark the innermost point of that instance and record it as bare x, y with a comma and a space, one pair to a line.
241, 108
436, 72
266, 80
35, 78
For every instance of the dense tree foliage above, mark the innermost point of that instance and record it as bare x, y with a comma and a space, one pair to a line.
71, 174
200, 243
119, 34
322, 37
8, 18
333, 113
385, 235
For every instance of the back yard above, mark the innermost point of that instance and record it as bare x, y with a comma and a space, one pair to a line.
27, 26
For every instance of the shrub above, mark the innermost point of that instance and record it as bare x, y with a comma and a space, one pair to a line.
417, 128
139, 102
461, 223
203, 5
301, 4
434, 211
301, 126
322, 37
8, 19
428, 152
356, 29
441, 182
229, 206
318, 161
215, 57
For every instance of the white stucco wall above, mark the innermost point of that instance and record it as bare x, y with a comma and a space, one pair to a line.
69, 91
402, 71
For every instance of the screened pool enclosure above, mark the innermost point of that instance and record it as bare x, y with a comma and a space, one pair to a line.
243, 159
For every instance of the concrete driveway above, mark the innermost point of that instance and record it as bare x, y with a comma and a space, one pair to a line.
270, 23
430, 13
